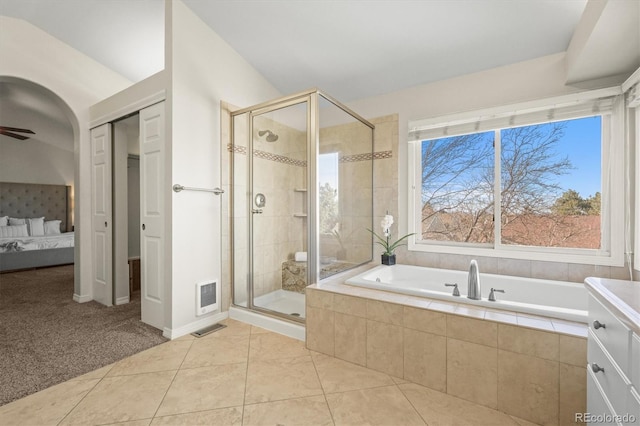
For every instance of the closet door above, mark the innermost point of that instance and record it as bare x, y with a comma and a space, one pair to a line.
152, 214
101, 210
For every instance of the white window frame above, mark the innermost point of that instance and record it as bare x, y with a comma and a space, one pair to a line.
611, 252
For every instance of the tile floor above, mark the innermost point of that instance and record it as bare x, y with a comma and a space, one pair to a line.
242, 375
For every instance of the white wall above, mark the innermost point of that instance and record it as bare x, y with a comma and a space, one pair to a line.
33, 161
529, 80
204, 71
79, 82
536, 79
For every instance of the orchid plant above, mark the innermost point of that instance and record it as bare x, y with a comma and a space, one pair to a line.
389, 247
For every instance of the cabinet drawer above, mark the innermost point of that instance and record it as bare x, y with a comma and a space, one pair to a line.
635, 361
633, 406
597, 403
614, 335
614, 385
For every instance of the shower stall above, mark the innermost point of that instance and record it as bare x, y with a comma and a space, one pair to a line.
301, 199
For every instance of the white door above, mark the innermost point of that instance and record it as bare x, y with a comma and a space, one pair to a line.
101, 235
152, 214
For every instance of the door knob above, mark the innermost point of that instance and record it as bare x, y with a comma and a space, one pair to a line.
105, 223
143, 227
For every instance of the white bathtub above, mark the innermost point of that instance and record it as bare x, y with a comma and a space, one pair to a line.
556, 299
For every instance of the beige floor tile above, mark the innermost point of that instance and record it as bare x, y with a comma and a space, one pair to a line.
378, 406
310, 411
219, 351
185, 337
437, 408
95, 374
258, 330
275, 346
340, 376
523, 422
165, 357
122, 398
399, 381
205, 388
143, 422
276, 379
223, 416
48, 406
233, 328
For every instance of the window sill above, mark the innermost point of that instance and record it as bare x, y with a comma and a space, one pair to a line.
587, 257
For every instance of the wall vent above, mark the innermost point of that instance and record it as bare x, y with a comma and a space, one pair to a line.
206, 297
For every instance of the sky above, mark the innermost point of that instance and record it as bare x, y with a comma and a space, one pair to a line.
582, 144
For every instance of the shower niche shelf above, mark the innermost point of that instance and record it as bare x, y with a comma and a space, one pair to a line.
302, 202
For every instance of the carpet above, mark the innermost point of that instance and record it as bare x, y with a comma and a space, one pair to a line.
46, 338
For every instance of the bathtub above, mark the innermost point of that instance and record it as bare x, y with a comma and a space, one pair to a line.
556, 299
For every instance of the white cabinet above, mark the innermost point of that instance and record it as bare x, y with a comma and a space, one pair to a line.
613, 357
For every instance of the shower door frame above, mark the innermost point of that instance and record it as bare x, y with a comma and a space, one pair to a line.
312, 140
313, 222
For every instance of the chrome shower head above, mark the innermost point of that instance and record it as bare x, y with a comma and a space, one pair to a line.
271, 137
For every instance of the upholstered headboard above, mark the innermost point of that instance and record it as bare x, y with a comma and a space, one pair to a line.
36, 200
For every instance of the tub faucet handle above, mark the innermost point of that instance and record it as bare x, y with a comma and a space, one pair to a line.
492, 296
456, 292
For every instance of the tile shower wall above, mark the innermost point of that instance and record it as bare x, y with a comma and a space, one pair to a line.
535, 375
352, 143
279, 168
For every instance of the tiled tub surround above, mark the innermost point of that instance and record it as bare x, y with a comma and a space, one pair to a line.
527, 366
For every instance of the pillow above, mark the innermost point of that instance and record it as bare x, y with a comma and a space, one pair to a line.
52, 227
13, 221
13, 231
4, 220
35, 226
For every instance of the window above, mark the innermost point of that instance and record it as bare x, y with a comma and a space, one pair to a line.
328, 171
537, 184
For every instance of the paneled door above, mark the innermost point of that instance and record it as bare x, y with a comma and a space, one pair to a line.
152, 214
101, 223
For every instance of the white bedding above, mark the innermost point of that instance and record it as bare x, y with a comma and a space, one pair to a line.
10, 245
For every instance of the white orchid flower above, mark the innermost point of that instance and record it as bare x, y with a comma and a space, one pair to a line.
386, 223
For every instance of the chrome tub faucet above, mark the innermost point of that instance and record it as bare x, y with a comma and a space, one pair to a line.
473, 289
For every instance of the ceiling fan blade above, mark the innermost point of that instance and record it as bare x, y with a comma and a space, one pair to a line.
16, 129
13, 135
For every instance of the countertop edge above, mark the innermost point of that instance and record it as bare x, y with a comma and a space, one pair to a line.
604, 290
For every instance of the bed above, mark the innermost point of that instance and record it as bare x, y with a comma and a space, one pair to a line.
40, 205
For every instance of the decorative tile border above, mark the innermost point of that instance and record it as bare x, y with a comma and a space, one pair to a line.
279, 158
302, 163
366, 157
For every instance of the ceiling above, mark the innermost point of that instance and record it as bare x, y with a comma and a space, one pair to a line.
354, 49
351, 49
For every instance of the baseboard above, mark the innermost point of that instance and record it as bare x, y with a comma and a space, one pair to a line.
81, 299
122, 300
174, 333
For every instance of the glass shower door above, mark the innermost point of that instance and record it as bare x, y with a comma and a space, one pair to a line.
277, 204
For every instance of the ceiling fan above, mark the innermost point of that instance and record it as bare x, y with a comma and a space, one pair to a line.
10, 131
